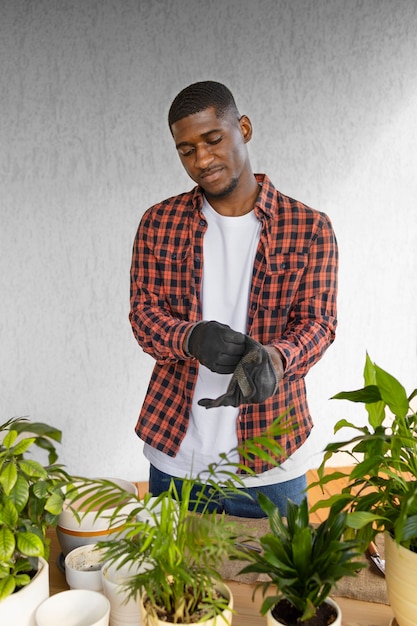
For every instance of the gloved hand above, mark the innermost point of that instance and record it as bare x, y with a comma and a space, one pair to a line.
216, 346
255, 379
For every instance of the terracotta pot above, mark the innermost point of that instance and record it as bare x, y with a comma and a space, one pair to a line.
218, 620
20, 607
401, 577
271, 621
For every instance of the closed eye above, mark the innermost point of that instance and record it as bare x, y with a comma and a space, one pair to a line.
213, 142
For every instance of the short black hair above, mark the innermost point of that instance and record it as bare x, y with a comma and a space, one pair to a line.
198, 97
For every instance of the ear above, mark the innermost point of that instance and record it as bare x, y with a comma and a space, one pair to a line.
245, 128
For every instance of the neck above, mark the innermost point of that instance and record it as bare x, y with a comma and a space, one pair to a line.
240, 202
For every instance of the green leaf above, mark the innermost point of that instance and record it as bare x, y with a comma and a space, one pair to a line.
54, 504
30, 544
7, 544
22, 446
302, 548
365, 395
392, 392
9, 515
9, 439
7, 587
8, 477
20, 493
359, 519
32, 468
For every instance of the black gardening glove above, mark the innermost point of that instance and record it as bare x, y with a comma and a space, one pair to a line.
216, 346
255, 378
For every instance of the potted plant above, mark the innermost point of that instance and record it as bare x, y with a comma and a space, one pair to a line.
381, 491
177, 555
31, 498
304, 561
171, 551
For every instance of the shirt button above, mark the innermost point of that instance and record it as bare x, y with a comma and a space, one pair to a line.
174, 256
197, 260
202, 223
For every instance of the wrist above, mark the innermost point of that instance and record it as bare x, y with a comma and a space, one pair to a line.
278, 361
186, 344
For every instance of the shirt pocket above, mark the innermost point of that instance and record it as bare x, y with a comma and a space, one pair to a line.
174, 278
282, 280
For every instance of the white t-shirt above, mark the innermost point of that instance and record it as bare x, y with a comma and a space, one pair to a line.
230, 245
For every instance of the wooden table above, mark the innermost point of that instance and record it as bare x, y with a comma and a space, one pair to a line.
355, 612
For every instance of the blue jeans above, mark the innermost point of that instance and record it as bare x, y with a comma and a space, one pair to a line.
236, 504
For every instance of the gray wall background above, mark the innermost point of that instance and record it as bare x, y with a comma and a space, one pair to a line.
331, 89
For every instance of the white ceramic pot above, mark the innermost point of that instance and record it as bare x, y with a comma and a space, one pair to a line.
20, 607
218, 620
401, 577
83, 567
91, 528
75, 607
123, 611
271, 621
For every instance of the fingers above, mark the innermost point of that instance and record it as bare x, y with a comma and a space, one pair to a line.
227, 399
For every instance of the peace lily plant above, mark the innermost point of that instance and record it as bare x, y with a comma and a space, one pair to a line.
381, 491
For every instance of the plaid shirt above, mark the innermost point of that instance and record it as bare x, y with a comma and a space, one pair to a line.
292, 306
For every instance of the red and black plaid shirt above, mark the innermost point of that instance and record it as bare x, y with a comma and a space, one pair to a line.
292, 306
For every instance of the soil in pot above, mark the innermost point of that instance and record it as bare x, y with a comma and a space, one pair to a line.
285, 613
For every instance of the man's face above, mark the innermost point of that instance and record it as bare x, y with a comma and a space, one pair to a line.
213, 150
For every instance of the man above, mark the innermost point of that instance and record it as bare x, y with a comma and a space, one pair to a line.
233, 292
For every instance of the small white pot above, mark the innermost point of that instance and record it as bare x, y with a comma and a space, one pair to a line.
401, 577
83, 568
123, 611
219, 620
271, 621
20, 607
76, 606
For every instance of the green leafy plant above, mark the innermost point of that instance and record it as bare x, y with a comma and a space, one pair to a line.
31, 499
381, 490
177, 540
304, 561
178, 553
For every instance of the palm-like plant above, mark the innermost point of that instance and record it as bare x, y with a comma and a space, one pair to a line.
177, 554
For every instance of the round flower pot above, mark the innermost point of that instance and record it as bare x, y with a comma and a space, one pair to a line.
123, 611
218, 620
20, 607
91, 528
76, 606
83, 568
271, 621
401, 578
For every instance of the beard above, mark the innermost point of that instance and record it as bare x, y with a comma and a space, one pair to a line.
224, 192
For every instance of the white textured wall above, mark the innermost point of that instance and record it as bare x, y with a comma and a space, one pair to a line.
331, 88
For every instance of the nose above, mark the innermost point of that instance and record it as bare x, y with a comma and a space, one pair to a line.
203, 157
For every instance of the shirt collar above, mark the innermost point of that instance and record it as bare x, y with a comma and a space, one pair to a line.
264, 202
